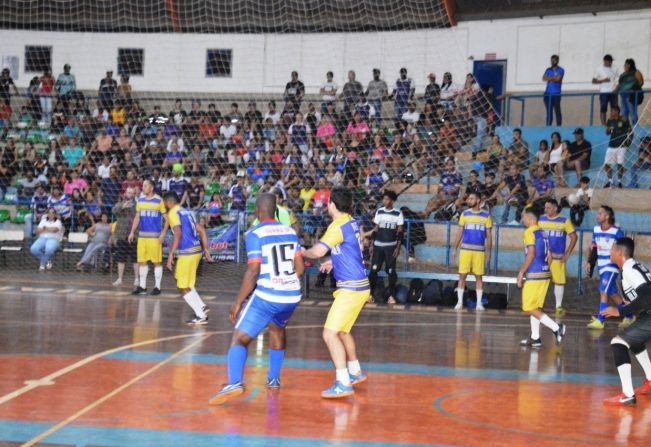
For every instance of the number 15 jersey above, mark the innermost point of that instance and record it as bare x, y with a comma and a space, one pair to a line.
274, 246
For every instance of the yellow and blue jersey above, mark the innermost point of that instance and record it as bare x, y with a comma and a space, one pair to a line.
190, 243
539, 268
344, 242
556, 229
151, 216
475, 225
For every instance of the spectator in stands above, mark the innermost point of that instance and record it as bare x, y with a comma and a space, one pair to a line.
518, 151
66, 86
99, 234
272, 113
238, 194
643, 162
294, 91
8, 165
358, 128
328, 91
6, 85
580, 201
38, 204
606, 78
178, 114
173, 156
432, 91
350, 94
107, 89
194, 194
449, 186
45, 92
479, 110
50, 232
253, 114
376, 92
178, 183
628, 86
235, 114
474, 186
124, 212
75, 182
540, 158
496, 157
516, 196
364, 108
376, 179
61, 203
411, 115
555, 153
579, 154
403, 93
557, 160
73, 153
5, 116
27, 186
449, 91
542, 188
110, 187
124, 90
619, 129
307, 192
300, 133
553, 76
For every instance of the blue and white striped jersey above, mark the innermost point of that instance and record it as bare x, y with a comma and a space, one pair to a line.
603, 240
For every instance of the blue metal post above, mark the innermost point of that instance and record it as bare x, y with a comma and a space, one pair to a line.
407, 244
497, 248
447, 253
508, 111
591, 109
238, 241
579, 276
522, 113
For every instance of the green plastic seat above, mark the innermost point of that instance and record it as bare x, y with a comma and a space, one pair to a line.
4, 216
213, 188
20, 216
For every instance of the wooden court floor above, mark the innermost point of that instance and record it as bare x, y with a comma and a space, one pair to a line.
83, 365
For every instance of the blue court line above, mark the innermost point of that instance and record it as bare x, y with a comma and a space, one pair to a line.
397, 368
83, 435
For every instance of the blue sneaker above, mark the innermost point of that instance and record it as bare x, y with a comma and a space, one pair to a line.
226, 393
356, 379
338, 391
273, 383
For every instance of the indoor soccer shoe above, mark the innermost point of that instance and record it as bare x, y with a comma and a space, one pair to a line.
139, 291
196, 321
155, 292
621, 400
560, 311
644, 390
337, 391
273, 383
458, 306
560, 333
626, 322
596, 323
356, 379
531, 343
228, 392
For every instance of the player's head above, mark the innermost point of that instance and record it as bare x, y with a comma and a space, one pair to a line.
147, 187
265, 206
551, 207
341, 200
171, 199
623, 249
614, 112
606, 215
389, 198
130, 192
473, 200
530, 217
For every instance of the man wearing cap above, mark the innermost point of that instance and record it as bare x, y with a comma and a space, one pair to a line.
403, 92
108, 87
606, 77
376, 92
432, 91
579, 154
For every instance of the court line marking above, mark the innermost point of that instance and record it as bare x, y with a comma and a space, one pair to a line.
113, 393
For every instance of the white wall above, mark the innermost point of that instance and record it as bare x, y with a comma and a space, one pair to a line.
262, 63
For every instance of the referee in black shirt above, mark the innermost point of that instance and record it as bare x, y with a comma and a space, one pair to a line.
387, 236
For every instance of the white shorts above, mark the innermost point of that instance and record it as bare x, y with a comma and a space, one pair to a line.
615, 155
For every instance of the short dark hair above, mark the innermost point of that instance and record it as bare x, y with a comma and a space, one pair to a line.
518, 130
171, 195
390, 194
342, 198
627, 245
533, 212
585, 179
611, 214
615, 107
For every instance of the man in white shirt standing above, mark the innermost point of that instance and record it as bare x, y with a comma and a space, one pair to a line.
606, 77
328, 92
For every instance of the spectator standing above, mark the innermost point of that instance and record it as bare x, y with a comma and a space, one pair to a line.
46, 89
50, 232
108, 87
66, 86
110, 187
432, 91
294, 91
7, 84
350, 94
579, 153
403, 93
125, 251
328, 91
629, 85
643, 162
516, 196
479, 110
376, 92
620, 133
553, 76
606, 78
449, 91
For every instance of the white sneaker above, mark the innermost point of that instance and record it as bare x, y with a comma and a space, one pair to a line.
411, 260
41, 268
459, 306
48, 265
480, 306
514, 222
118, 282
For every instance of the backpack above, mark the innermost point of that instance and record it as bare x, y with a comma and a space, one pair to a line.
433, 293
496, 301
416, 288
402, 293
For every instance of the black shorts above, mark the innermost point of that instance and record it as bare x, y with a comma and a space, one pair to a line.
383, 255
125, 252
585, 165
638, 333
606, 99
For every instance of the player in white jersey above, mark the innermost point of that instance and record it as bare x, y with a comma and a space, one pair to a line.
272, 284
636, 284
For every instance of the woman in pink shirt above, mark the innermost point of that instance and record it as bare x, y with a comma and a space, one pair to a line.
75, 182
325, 130
359, 127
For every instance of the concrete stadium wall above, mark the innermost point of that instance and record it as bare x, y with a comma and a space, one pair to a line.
261, 63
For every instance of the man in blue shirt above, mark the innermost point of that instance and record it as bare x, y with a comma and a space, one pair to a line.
553, 76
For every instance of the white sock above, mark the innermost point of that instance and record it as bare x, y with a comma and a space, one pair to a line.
645, 363
197, 297
194, 302
535, 327
559, 290
344, 378
354, 367
626, 378
158, 275
144, 271
480, 294
136, 280
551, 324
460, 295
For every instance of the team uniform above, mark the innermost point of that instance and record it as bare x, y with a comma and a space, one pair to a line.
385, 243
538, 275
556, 230
473, 244
603, 241
278, 291
189, 250
149, 229
353, 289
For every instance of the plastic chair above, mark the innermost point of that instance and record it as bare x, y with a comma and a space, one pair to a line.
4, 216
20, 216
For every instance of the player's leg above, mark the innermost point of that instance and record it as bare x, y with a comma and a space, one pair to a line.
558, 270
607, 284
157, 260
620, 345
376, 264
533, 299
121, 268
143, 266
186, 276
465, 266
621, 155
478, 269
480, 292
390, 269
277, 340
355, 372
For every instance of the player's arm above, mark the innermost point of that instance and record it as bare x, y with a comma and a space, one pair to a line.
175, 243
489, 245
570, 248
531, 254
203, 237
399, 235
299, 264
248, 285
640, 304
166, 227
134, 226
457, 242
317, 251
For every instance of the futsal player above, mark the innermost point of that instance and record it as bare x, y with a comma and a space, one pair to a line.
389, 224
188, 240
636, 284
342, 240
604, 235
536, 272
272, 280
475, 237
150, 223
557, 229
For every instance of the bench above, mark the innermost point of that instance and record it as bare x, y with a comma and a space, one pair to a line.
507, 280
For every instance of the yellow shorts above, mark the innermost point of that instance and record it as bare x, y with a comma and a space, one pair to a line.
472, 262
346, 308
150, 250
557, 267
534, 292
186, 270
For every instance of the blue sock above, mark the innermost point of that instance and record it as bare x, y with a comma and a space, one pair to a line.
602, 307
236, 361
276, 357
620, 306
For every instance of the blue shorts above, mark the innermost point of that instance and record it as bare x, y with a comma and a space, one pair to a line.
608, 283
258, 313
